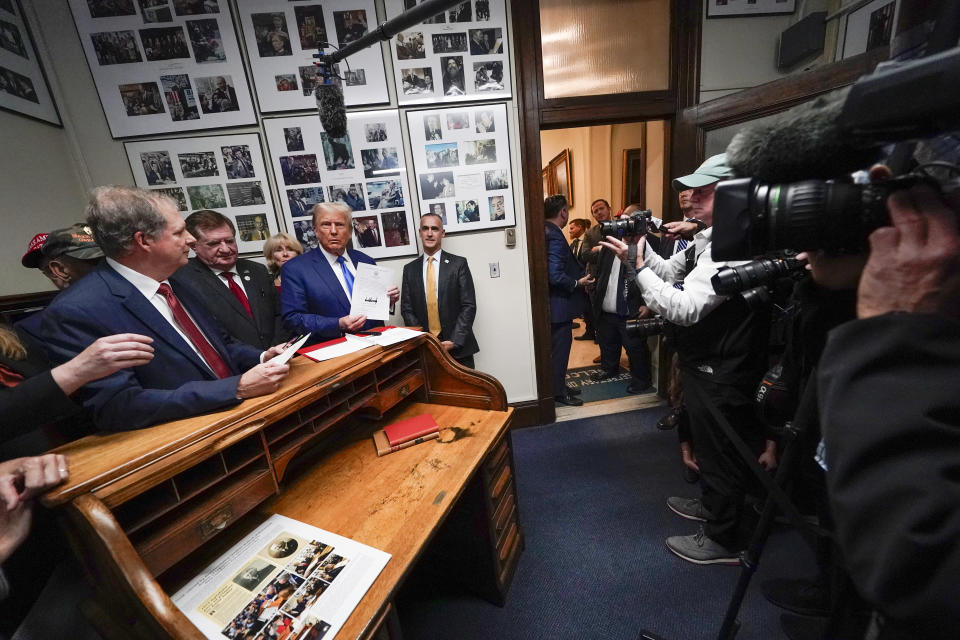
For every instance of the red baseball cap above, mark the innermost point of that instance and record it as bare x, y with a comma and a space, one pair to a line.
31, 259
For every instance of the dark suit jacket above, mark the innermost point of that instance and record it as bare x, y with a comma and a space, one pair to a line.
456, 300
312, 298
605, 263
563, 271
175, 384
265, 328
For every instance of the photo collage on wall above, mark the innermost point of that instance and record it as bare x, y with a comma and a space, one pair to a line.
223, 173
365, 170
281, 38
458, 55
462, 160
23, 87
162, 66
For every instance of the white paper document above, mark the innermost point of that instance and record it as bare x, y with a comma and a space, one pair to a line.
289, 351
391, 336
285, 579
370, 292
338, 348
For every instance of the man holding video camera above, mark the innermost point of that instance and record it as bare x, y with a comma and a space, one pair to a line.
721, 344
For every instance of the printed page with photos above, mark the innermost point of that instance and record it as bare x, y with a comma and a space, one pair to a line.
286, 579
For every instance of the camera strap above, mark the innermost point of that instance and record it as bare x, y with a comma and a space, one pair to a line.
631, 263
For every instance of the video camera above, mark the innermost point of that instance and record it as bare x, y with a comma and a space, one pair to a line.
730, 281
636, 225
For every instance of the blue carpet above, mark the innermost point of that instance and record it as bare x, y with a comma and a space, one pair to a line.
591, 495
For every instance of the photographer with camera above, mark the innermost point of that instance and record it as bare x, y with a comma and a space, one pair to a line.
721, 344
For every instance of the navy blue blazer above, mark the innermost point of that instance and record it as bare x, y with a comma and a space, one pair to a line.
175, 384
563, 271
312, 298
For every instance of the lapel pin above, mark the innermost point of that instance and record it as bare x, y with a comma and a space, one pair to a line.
445, 261
247, 278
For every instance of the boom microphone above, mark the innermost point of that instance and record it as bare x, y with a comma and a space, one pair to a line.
333, 112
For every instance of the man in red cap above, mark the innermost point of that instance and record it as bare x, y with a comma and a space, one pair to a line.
63, 255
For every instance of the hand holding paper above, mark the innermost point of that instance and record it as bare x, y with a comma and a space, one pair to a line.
371, 292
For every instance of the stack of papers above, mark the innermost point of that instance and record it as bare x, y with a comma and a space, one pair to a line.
376, 337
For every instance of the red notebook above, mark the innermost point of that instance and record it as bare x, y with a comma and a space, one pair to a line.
411, 429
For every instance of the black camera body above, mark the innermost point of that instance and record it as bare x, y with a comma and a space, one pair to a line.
636, 225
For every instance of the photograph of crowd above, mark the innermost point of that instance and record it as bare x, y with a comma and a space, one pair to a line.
194, 7
458, 121
206, 196
417, 80
302, 201
380, 162
375, 131
468, 211
294, 138
305, 234
263, 607
437, 185
300, 169
496, 179
245, 194
350, 25
177, 194
486, 41
488, 76
410, 45
452, 76
271, 33
179, 94
355, 77
198, 164
497, 211
350, 195
11, 40
286, 82
337, 152
438, 19
310, 25
442, 155
216, 94
480, 151
164, 43
111, 8
431, 128
206, 41
116, 47
308, 594
485, 122
18, 85
395, 231
237, 161
366, 230
253, 228
157, 167
460, 13
386, 194
309, 78
449, 42
142, 99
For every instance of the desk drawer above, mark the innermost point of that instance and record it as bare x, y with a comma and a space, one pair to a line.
397, 390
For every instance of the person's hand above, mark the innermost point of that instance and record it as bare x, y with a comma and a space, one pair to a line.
394, 294
689, 459
595, 249
275, 350
680, 228
104, 357
21, 480
585, 280
644, 312
447, 345
262, 379
768, 459
838, 273
914, 265
621, 249
352, 324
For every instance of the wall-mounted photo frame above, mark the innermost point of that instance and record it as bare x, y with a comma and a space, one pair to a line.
23, 85
867, 28
224, 173
560, 175
164, 67
461, 156
281, 38
458, 55
634, 180
741, 8
365, 170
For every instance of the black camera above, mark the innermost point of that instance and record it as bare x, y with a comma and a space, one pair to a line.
644, 327
636, 225
732, 280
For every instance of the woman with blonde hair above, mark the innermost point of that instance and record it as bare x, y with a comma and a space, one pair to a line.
278, 249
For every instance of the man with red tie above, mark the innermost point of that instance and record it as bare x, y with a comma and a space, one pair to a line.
197, 367
238, 293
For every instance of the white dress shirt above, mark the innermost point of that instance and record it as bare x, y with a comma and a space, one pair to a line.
332, 259
609, 304
436, 271
219, 273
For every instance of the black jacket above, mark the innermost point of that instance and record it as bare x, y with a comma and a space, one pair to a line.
606, 262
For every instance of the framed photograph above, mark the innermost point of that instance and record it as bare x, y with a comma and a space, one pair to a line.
459, 55
23, 85
867, 28
560, 174
225, 173
164, 67
634, 182
281, 38
365, 170
461, 156
739, 8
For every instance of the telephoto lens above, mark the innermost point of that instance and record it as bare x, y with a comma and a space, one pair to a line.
644, 327
728, 281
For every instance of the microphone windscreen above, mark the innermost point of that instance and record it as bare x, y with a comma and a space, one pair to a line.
804, 143
333, 112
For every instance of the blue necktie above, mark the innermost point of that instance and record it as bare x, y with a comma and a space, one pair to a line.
347, 276
681, 245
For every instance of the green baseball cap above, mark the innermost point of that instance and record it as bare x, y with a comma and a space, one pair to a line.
75, 241
713, 170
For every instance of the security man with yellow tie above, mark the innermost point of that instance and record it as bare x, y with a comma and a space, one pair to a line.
438, 294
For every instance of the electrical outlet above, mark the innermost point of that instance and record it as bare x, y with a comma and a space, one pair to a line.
510, 237
494, 269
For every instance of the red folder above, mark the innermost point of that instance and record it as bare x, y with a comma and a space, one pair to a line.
411, 429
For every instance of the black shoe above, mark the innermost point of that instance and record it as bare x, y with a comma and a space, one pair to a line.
806, 597
638, 386
671, 420
586, 336
571, 401
573, 391
604, 375
690, 476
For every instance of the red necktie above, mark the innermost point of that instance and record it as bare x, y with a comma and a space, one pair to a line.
9, 377
237, 291
207, 352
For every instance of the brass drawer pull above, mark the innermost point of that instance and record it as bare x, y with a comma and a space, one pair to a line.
404, 391
217, 522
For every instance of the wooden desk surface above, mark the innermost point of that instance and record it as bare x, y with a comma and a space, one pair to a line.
396, 502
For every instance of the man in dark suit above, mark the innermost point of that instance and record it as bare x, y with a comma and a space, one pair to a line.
197, 367
578, 227
240, 294
438, 294
318, 285
567, 280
